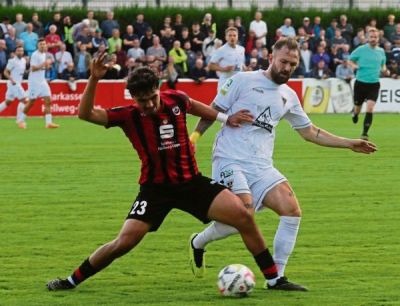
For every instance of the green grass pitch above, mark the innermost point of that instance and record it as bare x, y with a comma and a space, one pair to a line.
65, 192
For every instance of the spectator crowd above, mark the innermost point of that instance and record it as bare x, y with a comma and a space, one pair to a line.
183, 50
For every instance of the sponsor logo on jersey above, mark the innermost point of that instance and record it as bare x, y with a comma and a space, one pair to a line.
225, 87
264, 119
176, 110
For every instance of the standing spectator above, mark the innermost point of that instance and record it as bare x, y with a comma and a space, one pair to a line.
346, 28
396, 51
178, 26
336, 58
387, 47
317, 26
140, 26
321, 40
396, 34
11, 42
250, 43
259, 27
113, 69
360, 38
84, 38
180, 57
53, 40
302, 36
208, 25
68, 30
37, 25
82, 62
157, 50
287, 29
167, 24
91, 22
320, 55
278, 35
3, 57
185, 36
196, 37
102, 49
344, 71
146, 41
19, 25
114, 40
198, 73
241, 30
136, 52
30, 39
51, 70
63, 59
229, 59
170, 73
321, 71
4, 27
209, 46
191, 56
108, 25
330, 31
338, 40
98, 40
306, 54
121, 55
129, 37
390, 27
308, 28
167, 40
57, 22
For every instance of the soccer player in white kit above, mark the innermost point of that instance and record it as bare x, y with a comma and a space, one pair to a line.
37, 84
242, 158
229, 59
14, 72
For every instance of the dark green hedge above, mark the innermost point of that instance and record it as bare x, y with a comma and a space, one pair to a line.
154, 16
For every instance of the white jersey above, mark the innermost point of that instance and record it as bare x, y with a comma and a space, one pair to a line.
228, 56
17, 67
38, 76
268, 103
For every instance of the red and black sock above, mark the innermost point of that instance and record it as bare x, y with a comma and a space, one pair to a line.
84, 271
266, 264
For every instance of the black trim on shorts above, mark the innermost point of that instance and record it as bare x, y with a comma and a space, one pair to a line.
155, 201
365, 91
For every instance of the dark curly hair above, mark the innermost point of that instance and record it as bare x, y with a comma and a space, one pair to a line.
142, 80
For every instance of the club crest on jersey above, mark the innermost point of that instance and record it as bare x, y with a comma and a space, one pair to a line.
226, 86
176, 110
264, 119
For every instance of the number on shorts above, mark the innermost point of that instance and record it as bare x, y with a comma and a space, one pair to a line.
139, 208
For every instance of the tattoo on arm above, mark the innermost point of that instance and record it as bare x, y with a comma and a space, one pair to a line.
318, 131
248, 205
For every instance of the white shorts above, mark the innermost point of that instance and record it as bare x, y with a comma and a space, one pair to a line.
39, 90
15, 92
246, 178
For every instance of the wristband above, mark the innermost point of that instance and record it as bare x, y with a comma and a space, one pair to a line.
194, 137
221, 117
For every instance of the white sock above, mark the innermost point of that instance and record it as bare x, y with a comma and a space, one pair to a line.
20, 109
3, 106
285, 239
71, 281
22, 116
48, 118
215, 231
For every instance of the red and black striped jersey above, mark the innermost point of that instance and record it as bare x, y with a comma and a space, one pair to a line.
161, 139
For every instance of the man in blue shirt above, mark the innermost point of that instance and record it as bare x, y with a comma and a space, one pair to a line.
30, 39
108, 25
369, 60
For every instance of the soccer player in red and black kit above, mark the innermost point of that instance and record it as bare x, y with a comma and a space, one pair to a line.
156, 127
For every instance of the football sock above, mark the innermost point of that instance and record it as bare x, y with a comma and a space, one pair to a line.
215, 231
20, 109
48, 118
3, 106
22, 116
285, 239
367, 123
84, 271
267, 266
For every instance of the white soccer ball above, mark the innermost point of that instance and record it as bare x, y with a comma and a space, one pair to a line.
236, 280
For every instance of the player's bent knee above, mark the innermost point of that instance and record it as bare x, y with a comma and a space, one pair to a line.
293, 211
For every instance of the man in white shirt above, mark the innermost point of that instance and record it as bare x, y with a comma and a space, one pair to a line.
37, 84
259, 27
229, 59
242, 158
63, 59
14, 72
306, 55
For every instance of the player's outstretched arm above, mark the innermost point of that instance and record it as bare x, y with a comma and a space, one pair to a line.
211, 113
321, 137
87, 111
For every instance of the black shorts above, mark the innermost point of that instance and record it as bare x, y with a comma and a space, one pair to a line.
154, 202
365, 91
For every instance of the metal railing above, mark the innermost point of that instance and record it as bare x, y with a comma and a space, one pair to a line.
242, 4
